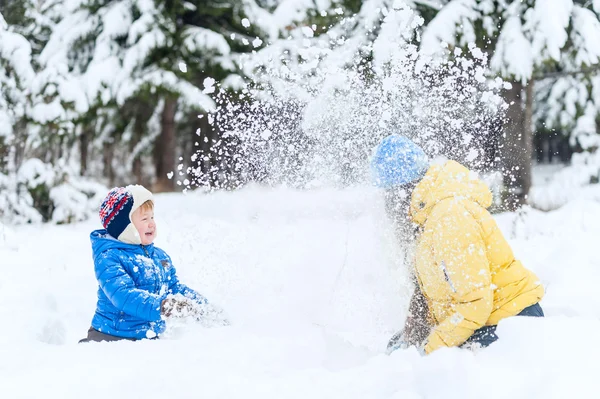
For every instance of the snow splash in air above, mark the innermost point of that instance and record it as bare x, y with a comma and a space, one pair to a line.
319, 104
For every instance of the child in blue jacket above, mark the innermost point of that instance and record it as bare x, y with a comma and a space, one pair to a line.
138, 285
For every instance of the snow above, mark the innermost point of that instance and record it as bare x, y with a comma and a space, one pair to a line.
310, 279
5, 124
442, 29
314, 288
44, 113
205, 40
16, 204
585, 132
86, 69
75, 199
286, 14
116, 20
16, 74
161, 78
144, 23
209, 85
65, 34
71, 197
34, 172
234, 82
316, 98
512, 41
138, 52
563, 98
17, 51
571, 182
398, 27
548, 20
586, 25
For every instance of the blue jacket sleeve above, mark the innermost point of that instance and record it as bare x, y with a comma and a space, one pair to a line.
120, 289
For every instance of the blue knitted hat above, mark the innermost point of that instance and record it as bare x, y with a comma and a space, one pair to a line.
397, 161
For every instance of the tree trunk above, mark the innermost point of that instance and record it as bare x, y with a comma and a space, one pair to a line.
84, 144
164, 150
19, 140
142, 112
136, 169
4, 154
108, 155
516, 144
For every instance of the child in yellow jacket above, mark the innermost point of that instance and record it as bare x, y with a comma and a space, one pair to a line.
467, 278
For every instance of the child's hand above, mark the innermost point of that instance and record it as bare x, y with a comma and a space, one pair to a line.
398, 341
178, 306
397, 345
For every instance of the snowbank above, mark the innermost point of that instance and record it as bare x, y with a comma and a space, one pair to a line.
314, 288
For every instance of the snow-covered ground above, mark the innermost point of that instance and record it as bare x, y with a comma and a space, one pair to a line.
314, 287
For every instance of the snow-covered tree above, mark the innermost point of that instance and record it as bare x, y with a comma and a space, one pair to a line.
16, 75
30, 189
125, 76
526, 40
112, 88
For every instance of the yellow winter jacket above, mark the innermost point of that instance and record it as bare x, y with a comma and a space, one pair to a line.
465, 268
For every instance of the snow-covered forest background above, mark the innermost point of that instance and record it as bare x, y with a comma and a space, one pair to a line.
180, 95
254, 121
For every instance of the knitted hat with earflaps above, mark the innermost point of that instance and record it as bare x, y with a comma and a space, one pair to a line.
117, 208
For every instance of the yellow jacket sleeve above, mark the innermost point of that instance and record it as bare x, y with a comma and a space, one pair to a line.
459, 253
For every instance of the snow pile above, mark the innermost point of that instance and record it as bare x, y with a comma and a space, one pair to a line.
314, 287
7, 238
578, 180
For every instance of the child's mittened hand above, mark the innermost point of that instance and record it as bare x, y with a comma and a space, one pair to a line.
174, 306
178, 307
398, 341
397, 345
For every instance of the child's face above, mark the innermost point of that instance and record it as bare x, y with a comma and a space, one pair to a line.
143, 220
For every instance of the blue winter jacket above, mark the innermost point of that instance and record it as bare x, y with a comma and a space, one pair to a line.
133, 281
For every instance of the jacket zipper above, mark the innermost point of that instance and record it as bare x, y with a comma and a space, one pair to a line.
447, 277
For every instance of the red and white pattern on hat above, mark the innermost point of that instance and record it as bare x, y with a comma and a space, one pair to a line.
113, 203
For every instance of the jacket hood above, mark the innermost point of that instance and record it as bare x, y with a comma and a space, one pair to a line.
450, 180
102, 241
